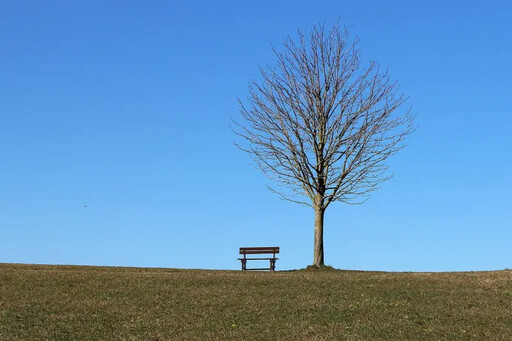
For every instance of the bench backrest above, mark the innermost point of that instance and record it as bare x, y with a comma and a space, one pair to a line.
259, 250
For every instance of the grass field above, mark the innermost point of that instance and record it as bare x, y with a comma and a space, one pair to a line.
39, 302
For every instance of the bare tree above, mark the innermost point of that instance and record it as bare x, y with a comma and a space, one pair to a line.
322, 125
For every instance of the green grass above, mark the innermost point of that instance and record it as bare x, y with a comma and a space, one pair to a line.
39, 302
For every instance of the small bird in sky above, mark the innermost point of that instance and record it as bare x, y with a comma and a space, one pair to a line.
85, 206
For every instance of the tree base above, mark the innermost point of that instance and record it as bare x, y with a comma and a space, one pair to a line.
320, 268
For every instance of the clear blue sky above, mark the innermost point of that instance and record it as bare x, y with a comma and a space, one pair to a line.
124, 106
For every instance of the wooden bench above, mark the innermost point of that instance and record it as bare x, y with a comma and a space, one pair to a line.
259, 251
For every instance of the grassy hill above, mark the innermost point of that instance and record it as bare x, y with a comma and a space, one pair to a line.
39, 302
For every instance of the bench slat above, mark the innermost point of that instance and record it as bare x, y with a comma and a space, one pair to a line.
258, 250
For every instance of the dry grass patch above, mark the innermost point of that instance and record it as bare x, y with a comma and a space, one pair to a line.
103, 303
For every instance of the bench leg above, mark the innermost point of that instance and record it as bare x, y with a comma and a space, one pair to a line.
272, 264
244, 263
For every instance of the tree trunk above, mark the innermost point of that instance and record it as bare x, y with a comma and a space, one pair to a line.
318, 258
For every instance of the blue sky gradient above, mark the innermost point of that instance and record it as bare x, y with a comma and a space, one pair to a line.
124, 107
